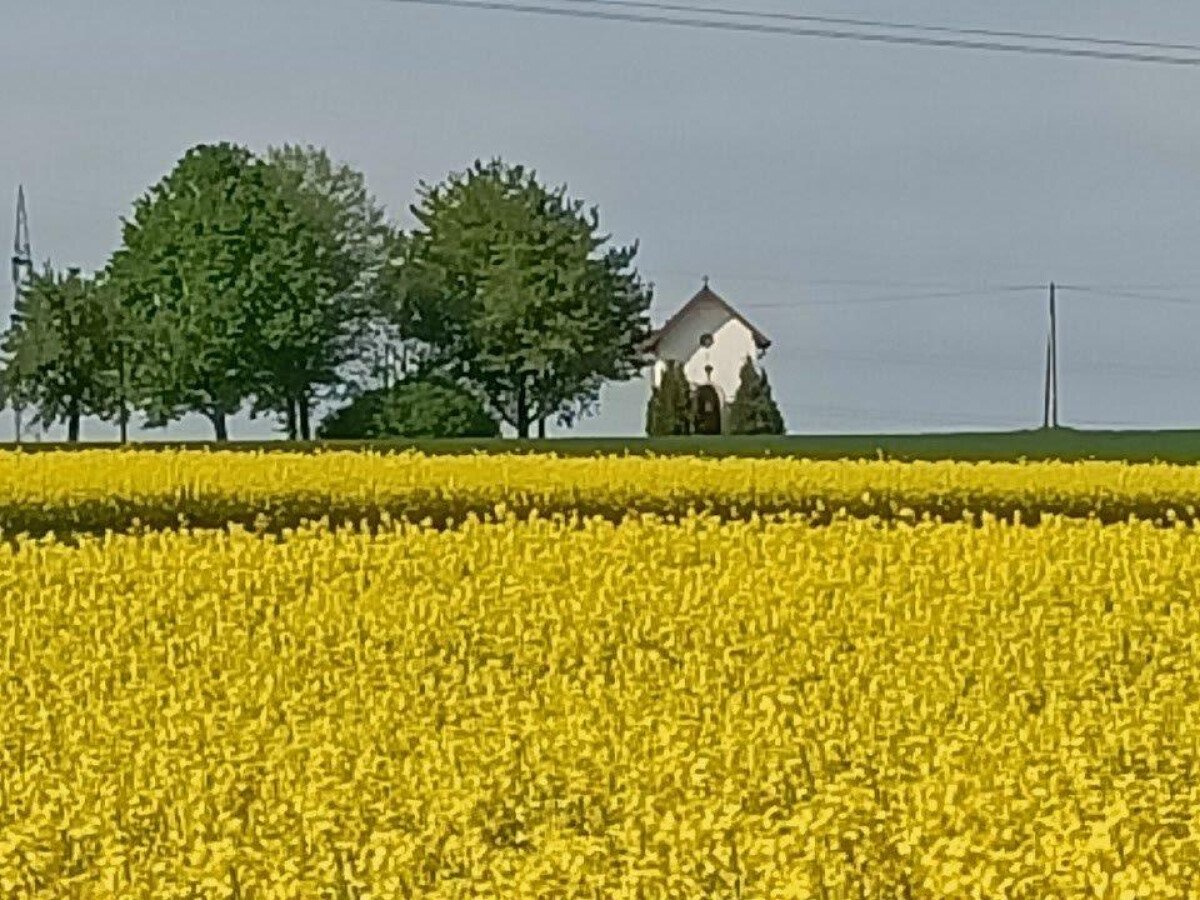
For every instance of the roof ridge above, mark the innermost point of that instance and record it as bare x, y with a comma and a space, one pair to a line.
706, 292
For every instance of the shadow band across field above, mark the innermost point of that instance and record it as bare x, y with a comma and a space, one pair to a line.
437, 510
270, 489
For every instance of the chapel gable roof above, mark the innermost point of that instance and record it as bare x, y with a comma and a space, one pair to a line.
705, 296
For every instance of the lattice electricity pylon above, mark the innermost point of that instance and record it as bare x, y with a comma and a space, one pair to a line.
22, 268
22, 258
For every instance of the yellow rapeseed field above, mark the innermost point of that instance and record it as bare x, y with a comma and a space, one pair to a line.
98, 490
566, 708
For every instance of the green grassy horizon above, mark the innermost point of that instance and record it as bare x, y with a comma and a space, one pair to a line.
1175, 445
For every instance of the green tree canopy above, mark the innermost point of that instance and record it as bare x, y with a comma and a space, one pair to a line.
417, 408
669, 411
510, 285
216, 261
63, 350
753, 410
322, 321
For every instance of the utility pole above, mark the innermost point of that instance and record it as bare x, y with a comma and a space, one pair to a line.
1046, 400
22, 267
1050, 408
1054, 355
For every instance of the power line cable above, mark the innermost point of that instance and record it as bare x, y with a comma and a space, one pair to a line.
798, 281
944, 361
901, 298
971, 293
826, 33
973, 362
1130, 295
1143, 288
889, 25
925, 361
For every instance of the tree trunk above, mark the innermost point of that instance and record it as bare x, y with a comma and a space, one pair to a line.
218, 422
290, 418
302, 403
73, 426
542, 428
522, 422
123, 413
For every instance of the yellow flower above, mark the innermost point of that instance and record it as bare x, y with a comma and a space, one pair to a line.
583, 703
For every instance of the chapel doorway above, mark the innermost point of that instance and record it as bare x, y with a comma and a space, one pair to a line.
708, 410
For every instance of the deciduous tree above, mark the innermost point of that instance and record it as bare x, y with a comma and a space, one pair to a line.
511, 285
201, 254
63, 350
321, 318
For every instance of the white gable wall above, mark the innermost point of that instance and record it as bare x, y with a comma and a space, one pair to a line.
732, 343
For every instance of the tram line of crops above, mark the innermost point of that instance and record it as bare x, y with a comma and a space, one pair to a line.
110, 490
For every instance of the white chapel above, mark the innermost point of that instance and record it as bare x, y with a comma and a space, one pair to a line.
712, 340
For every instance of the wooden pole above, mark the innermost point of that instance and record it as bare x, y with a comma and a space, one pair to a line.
1054, 356
1046, 399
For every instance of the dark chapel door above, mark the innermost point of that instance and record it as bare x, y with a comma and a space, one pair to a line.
708, 410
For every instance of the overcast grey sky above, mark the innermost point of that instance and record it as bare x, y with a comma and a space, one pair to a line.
808, 178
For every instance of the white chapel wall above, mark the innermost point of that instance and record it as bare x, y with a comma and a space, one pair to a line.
732, 343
